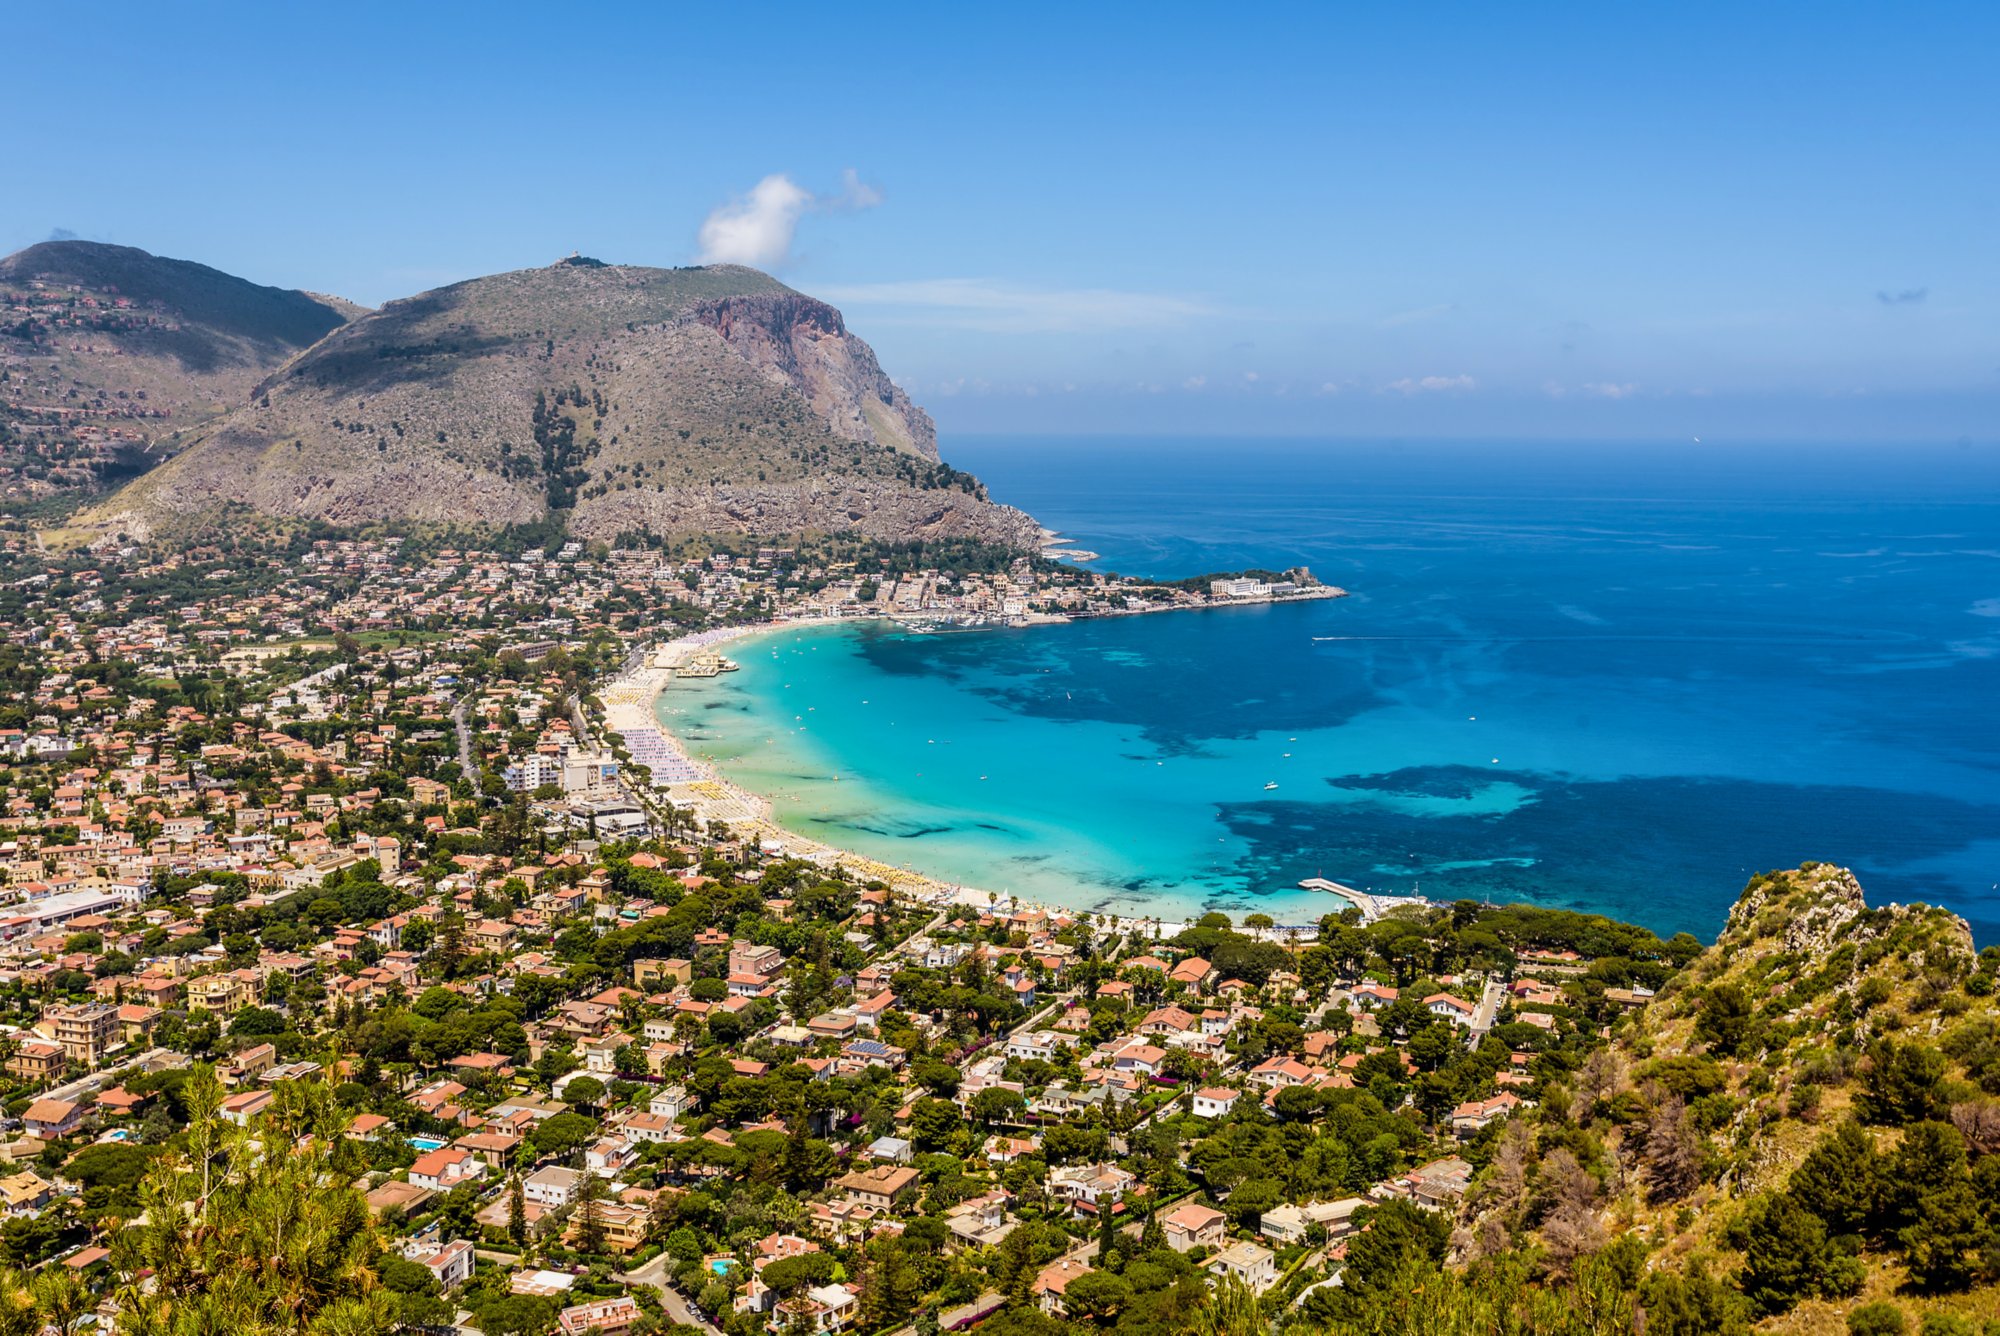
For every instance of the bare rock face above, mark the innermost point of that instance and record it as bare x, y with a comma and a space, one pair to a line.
1809, 907
1818, 907
803, 343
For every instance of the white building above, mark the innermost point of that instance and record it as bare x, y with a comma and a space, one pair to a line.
554, 1187
1040, 1045
588, 770
1251, 1263
444, 1169
532, 772
451, 1264
671, 1102
1214, 1102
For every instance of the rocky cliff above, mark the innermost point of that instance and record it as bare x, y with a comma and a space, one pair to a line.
804, 344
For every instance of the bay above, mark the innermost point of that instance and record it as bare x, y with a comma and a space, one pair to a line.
1619, 679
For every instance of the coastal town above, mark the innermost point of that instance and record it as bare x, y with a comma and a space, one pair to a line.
817, 670
382, 819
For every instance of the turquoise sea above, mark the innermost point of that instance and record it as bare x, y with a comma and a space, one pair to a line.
1615, 678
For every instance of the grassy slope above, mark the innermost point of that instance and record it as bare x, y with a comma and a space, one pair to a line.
1803, 944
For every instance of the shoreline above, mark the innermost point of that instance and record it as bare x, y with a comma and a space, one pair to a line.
629, 702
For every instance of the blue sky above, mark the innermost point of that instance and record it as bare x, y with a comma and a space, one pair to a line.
1646, 221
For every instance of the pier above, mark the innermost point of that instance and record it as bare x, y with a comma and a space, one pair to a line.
1372, 907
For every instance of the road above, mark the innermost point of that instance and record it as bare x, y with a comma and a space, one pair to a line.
1489, 1007
654, 1274
464, 736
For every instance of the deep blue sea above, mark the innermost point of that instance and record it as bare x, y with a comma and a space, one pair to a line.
1616, 678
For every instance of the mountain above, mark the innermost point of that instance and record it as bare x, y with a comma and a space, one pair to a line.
699, 400
106, 352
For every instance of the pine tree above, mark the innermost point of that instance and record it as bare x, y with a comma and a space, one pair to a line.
450, 948
241, 1241
1840, 1180
1015, 1269
1152, 1237
60, 1299
202, 1097
517, 1212
1931, 1189
1228, 1309
1939, 1247
589, 1218
1788, 1257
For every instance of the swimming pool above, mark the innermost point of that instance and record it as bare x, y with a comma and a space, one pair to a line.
427, 1143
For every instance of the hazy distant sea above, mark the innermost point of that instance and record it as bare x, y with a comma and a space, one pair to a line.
1614, 678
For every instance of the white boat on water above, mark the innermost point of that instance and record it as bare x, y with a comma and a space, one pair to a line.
1272, 785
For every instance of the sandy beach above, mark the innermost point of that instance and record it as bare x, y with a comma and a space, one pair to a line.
629, 701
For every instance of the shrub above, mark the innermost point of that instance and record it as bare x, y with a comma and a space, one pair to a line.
1947, 1324
1877, 1319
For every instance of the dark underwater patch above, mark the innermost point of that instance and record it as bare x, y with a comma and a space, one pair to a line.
1670, 853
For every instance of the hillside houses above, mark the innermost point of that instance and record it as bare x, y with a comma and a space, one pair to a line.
670, 1041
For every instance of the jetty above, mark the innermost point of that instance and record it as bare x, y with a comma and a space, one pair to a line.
1372, 906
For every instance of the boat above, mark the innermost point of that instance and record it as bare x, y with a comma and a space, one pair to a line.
1272, 785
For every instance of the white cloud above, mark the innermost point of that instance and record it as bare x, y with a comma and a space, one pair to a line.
1432, 385
996, 307
855, 193
757, 229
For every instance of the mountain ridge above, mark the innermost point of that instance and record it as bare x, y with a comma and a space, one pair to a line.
710, 399
109, 353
